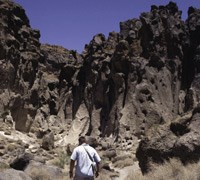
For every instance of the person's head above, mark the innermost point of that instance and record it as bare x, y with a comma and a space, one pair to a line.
81, 140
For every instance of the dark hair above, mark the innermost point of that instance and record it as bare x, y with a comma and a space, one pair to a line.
81, 140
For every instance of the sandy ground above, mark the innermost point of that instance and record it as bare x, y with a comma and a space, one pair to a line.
123, 173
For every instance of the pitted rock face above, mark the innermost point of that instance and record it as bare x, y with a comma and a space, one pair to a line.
20, 53
144, 76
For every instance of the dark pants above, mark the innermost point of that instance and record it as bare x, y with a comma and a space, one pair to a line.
83, 178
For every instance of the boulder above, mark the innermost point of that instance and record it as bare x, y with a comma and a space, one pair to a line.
37, 170
180, 139
8, 174
48, 141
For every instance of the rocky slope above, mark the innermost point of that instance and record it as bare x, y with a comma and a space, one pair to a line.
138, 85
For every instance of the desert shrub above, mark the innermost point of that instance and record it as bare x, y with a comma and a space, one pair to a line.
123, 163
62, 159
4, 165
39, 174
173, 170
11, 147
169, 170
105, 160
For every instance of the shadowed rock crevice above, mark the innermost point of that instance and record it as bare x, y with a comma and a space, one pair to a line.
179, 129
21, 162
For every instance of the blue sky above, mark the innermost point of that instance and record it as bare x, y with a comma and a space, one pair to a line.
73, 23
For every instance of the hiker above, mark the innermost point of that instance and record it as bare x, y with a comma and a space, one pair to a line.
85, 157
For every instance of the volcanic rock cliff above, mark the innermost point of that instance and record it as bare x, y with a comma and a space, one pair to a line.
141, 84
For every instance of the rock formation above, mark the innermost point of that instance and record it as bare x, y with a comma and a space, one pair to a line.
179, 136
141, 84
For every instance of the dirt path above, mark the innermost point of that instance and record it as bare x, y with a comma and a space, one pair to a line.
123, 173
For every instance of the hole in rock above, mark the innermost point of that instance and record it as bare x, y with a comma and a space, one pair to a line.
179, 129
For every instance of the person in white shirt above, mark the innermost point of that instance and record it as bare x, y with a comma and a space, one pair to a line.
84, 156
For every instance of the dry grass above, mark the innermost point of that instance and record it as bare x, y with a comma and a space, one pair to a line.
39, 174
43, 174
11, 147
172, 170
61, 160
123, 163
4, 166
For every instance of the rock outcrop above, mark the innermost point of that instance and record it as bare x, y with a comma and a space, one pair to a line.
19, 57
179, 137
128, 88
